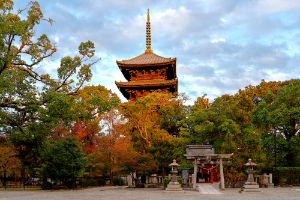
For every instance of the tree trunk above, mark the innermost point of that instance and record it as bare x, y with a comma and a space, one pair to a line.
111, 176
4, 178
23, 176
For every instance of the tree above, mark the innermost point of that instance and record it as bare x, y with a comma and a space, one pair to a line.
22, 50
17, 38
22, 53
63, 160
226, 124
152, 122
97, 100
245, 124
84, 116
9, 161
32, 102
279, 119
90, 105
116, 152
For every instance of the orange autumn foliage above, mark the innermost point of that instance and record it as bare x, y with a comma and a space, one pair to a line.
145, 116
9, 162
116, 151
86, 132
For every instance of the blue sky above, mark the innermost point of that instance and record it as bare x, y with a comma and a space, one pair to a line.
220, 45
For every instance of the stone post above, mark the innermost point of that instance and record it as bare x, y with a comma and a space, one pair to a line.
270, 178
271, 184
195, 174
222, 175
129, 181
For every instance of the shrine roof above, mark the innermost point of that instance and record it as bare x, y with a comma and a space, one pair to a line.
147, 83
147, 58
204, 151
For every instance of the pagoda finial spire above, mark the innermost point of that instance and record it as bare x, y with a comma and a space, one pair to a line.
148, 33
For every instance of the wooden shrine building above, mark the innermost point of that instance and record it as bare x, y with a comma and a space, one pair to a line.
147, 72
205, 163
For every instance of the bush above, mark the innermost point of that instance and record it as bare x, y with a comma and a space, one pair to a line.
89, 182
63, 161
118, 181
101, 181
166, 181
288, 175
47, 185
180, 180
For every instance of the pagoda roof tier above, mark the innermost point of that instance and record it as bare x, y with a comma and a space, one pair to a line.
147, 85
146, 59
170, 70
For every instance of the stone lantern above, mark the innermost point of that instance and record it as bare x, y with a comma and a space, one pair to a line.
250, 185
174, 185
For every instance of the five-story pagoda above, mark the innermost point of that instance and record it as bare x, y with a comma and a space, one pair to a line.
147, 72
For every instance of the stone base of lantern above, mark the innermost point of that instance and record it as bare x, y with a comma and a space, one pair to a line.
250, 187
174, 186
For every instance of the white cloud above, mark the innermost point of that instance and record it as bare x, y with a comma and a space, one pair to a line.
217, 40
171, 21
276, 75
56, 39
49, 66
220, 45
276, 6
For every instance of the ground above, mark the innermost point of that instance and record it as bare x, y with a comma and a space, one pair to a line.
122, 193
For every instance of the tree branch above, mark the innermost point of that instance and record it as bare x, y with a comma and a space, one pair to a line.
5, 65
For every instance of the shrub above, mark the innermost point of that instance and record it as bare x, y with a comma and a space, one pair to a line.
63, 161
118, 181
47, 185
166, 181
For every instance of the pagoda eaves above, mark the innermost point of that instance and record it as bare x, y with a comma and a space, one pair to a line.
147, 72
146, 59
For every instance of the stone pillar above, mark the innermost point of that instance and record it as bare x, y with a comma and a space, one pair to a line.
271, 184
270, 178
130, 181
222, 175
147, 179
154, 179
195, 174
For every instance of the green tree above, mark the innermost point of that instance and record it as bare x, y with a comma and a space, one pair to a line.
279, 118
33, 103
63, 160
24, 90
226, 124
22, 50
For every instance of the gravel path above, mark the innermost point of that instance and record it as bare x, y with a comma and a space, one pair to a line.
121, 193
